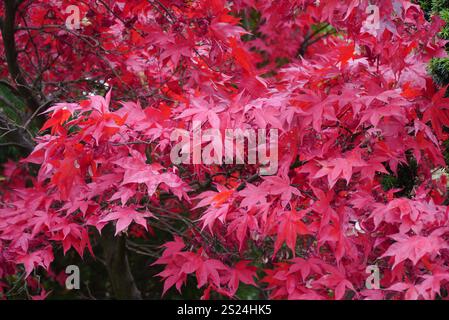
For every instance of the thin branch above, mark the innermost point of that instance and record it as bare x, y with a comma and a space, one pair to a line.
308, 39
15, 134
35, 113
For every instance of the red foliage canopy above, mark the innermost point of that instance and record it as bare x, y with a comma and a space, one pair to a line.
351, 104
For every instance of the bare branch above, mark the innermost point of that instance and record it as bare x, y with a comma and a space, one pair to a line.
15, 134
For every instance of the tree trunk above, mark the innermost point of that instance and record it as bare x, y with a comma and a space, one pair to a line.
8, 31
116, 259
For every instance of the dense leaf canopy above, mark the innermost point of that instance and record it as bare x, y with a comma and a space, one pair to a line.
350, 95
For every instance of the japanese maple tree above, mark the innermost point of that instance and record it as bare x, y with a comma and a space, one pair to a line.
345, 82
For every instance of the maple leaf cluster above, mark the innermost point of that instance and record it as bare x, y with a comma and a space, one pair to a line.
352, 104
